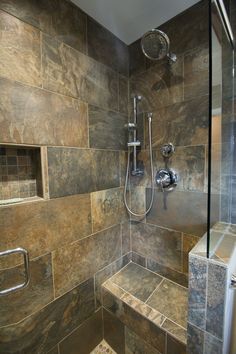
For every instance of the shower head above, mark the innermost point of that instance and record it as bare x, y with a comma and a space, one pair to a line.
155, 45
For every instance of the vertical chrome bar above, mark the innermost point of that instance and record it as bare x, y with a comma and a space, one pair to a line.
135, 108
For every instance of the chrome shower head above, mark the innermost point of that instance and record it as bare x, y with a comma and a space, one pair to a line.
155, 45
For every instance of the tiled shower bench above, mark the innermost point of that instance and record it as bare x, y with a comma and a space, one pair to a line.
150, 305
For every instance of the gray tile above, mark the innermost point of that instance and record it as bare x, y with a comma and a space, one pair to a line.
162, 301
137, 281
216, 290
26, 112
123, 94
197, 292
80, 340
138, 259
125, 233
195, 340
178, 332
80, 171
161, 245
107, 129
44, 329
212, 345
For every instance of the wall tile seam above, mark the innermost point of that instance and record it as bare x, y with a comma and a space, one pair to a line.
150, 259
48, 304
66, 44
162, 228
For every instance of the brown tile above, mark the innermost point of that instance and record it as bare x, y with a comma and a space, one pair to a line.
37, 294
107, 129
26, 112
107, 208
162, 301
55, 350
60, 18
174, 346
20, 51
189, 242
85, 338
126, 242
138, 259
144, 328
114, 332
137, 62
51, 224
137, 280
80, 171
106, 48
93, 82
184, 219
44, 329
81, 260
178, 332
156, 243
134, 344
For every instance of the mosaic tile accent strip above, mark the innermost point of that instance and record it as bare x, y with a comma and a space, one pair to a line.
103, 347
18, 173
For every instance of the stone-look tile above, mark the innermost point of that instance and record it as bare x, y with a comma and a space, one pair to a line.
189, 29
45, 328
174, 346
55, 350
85, 338
72, 73
110, 289
195, 340
20, 51
178, 332
122, 166
212, 345
114, 332
125, 234
190, 117
138, 259
137, 202
77, 171
138, 281
144, 328
215, 299
137, 62
107, 129
107, 208
50, 224
167, 272
167, 213
189, 241
161, 245
106, 48
106, 273
134, 344
33, 116
159, 86
80, 260
162, 301
144, 310
197, 291
59, 18
123, 94
226, 248
36, 295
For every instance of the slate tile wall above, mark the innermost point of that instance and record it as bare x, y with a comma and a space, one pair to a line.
64, 88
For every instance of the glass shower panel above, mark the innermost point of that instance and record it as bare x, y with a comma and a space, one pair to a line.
221, 147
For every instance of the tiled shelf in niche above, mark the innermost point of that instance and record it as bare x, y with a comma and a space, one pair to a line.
20, 174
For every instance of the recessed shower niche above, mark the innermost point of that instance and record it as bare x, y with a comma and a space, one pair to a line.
20, 174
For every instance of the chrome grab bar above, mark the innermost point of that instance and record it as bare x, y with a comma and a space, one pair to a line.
25, 254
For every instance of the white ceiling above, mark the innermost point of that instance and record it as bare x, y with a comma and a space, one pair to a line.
130, 19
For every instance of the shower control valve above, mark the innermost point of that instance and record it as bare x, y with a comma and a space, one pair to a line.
167, 150
166, 179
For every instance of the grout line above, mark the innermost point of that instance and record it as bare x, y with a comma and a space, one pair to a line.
158, 286
53, 276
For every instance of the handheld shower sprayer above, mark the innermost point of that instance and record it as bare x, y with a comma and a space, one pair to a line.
132, 127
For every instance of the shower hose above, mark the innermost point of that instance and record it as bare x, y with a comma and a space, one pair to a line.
152, 175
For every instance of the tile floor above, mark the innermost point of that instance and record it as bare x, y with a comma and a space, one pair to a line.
103, 348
